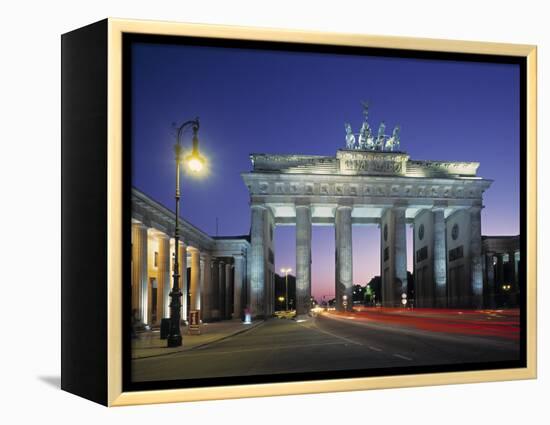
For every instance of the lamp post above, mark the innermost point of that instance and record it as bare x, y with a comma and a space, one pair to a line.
281, 300
195, 163
286, 272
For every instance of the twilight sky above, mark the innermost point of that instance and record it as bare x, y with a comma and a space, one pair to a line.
292, 102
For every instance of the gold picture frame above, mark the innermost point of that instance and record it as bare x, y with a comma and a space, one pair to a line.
115, 396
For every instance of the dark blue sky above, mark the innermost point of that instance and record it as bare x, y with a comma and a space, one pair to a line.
284, 102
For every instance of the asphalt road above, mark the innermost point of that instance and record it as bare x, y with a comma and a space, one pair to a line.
321, 344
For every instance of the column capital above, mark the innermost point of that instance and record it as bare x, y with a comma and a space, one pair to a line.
162, 236
489, 253
302, 203
344, 206
439, 205
258, 204
400, 205
139, 225
476, 203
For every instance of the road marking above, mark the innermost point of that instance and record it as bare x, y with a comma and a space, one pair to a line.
374, 348
334, 335
402, 357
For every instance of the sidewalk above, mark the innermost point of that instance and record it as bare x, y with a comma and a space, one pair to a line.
149, 344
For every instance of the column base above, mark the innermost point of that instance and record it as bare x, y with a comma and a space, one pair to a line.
302, 317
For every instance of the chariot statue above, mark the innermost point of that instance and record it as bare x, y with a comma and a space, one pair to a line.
393, 142
365, 137
379, 143
350, 137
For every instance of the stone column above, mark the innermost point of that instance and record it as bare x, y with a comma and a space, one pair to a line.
383, 297
344, 257
139, 272
516, 261
207, 293
400, 242
303, 261
267, 292
500, 270
215, 275
257, 258
228, 280
440, 258
163, 272
490, 272
221, 291
499, 278
246, 295
475, 257
238, 286
513, 270
515, 278
201, 283
195, 290
183, 279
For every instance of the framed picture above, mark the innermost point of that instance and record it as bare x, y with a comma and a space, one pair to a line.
251, 212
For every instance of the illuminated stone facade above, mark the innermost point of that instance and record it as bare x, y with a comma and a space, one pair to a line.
367, 187
215, 277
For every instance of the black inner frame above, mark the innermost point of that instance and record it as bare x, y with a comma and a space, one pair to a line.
130, 38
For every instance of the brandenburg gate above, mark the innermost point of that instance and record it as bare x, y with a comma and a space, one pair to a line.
370, 182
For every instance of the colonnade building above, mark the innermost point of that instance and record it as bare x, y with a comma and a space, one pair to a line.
216, 267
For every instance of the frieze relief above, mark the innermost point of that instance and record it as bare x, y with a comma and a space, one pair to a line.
377, 163
309, 188
446, 167
395, 190
361, 162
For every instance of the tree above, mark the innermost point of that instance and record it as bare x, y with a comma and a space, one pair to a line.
368, 297
358, 291
375, 285
280, 291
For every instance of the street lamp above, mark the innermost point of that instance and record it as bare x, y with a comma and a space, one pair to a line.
195, 163
286, 272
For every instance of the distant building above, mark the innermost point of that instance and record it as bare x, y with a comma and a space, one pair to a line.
501, 270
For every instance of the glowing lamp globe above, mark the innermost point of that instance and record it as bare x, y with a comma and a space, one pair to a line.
195, 163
